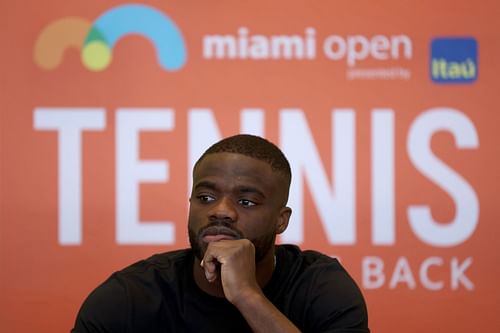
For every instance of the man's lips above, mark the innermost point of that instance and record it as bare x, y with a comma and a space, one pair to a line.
216, 238
217, 233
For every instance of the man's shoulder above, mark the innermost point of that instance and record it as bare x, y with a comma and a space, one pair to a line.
150, 279
160, 262
295, 266
320, 293
293, 254
310, 267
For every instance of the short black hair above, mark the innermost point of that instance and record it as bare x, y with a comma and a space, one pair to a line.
255, 147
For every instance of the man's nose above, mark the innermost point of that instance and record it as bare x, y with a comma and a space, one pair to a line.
224, 209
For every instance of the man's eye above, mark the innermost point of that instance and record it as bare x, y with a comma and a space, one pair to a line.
206, 198
246, 202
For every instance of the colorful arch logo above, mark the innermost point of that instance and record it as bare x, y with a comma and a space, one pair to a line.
96, 40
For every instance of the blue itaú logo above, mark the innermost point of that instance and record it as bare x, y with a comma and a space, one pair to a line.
454, 60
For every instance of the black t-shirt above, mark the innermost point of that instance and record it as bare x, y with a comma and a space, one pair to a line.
160, 295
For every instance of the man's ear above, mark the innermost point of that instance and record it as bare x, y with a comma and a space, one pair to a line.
283, 219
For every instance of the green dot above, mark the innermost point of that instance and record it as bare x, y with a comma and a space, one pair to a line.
96, 56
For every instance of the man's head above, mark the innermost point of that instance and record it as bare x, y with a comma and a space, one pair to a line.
255, 147
240, 190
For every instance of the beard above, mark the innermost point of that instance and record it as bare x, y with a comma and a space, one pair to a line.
262, 244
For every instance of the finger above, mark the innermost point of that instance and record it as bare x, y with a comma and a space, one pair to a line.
210, 271
210, 268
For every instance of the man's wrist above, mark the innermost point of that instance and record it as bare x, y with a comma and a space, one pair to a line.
248, 296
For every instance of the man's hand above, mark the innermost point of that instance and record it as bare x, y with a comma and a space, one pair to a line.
234, 261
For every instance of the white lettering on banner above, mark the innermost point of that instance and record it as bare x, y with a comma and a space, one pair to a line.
293, 47
462, 193
373, 272
424, 273
383, 188
333, 192
252, 121
335, 203
358, 47
245, 46
69, 123
203, 130
374, 276
386, 73
131, 171
402, 274
458, 274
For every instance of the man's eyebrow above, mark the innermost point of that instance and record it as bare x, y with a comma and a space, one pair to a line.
240, 189
250, 189
205, 183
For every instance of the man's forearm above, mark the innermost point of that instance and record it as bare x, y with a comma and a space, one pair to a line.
262, 316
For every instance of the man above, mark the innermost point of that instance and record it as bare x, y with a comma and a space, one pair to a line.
234, 278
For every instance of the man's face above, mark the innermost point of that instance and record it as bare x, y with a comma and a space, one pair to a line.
235, 196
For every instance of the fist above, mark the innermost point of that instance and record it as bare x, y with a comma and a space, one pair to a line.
233, 262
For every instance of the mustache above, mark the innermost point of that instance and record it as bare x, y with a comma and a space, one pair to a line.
220, 227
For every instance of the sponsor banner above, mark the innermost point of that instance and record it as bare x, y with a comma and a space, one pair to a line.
385, 111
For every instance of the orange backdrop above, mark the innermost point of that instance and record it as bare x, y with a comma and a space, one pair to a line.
388, 112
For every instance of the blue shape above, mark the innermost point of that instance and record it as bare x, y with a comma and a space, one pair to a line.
150, 23
454, 60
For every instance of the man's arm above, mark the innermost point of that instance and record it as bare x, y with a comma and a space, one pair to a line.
238, 276
327, 294
262, 315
